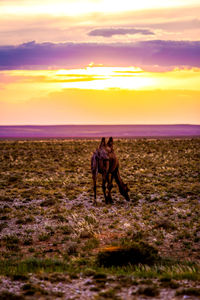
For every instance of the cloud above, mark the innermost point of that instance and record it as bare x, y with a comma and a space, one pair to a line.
174, 24
66, 80
69, 55
109, 32
177, 25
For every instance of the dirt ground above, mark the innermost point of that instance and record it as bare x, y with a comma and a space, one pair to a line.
51, 232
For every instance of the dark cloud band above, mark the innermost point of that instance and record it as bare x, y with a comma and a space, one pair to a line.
109, 32
66, 55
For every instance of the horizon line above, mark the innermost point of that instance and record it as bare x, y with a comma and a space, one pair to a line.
165, 124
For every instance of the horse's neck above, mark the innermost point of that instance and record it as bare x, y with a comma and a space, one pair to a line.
119, 181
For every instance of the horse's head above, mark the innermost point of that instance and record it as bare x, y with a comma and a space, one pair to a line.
125, 192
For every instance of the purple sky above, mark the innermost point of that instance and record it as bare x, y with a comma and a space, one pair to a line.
162, 53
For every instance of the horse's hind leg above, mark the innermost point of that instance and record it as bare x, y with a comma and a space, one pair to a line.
94, 187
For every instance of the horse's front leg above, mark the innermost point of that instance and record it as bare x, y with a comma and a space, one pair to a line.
110, 186
104, 179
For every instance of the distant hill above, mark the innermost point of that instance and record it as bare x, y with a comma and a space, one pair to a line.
92, 131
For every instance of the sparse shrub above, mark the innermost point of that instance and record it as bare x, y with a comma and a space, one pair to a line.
66, 229
48, 202
109, 294
31, 250
139, 235
30, 289
14, 179
146, 281
90, 219
132, 253
89, 272
165, 224
187, 244
11, 242
4, 199
112, 226
189, 292
21, 277
59, 218
11, 239
57, 277
196, 239
44, 237
74, 275
169, 283
28, 241
151, 291
3, 225
100, 279
91, 244
5, 295
82, 261
29, 230
24, 221
4, 218
100, 276
85, 234
72, 248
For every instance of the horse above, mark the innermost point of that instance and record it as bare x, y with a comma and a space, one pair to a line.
105, 162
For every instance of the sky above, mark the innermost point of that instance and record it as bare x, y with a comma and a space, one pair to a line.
99, 62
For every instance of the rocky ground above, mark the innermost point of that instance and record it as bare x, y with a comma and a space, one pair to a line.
52, 234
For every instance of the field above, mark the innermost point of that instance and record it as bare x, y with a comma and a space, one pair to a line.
53, 238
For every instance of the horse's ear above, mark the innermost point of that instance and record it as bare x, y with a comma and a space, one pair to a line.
110, 142
103, 142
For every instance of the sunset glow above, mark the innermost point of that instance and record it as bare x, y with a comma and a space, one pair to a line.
130, 78
80, 7
63, 62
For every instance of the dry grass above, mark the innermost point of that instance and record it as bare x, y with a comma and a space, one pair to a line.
47, 212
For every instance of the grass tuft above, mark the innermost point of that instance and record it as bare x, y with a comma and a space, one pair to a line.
132, 253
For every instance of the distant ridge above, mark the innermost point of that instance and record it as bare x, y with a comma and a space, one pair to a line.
92, 131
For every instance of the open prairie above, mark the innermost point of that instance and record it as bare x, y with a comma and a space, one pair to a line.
56, 244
